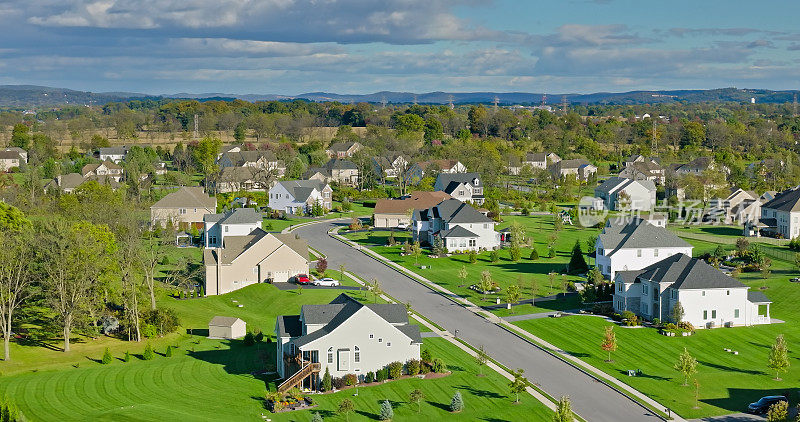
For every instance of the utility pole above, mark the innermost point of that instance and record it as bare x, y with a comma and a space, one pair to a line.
495, 102
654, 145
196, 126
450, 101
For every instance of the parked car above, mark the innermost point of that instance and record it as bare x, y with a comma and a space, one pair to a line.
403, 226
302, 279
794, 280
762, 405
327, 281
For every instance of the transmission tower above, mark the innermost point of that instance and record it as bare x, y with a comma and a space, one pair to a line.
794, 105
544, 99
415, 99
654, 143
450, 101
196, 126
564, 104
495, 102
383, 101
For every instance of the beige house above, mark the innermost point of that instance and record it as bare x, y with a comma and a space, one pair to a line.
9, 160
184, 207
221, 327
259, 257
441, 166
67, 183
580, 168
343, 149
106, 168
343, 172
393, 212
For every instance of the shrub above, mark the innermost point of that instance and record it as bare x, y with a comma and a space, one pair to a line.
515, 253
534, 255
259, 336
426, 356
381, 375
473, 257
386, 411
350, 379
778, 412
395, 370
413, 367
127, 357
148, 352
685, 325
339, 383
168, 352
494, 256
249, 339
630, 318
438, 366
316, 417
327, 383
107, 358
551, 252
457, 402
149, 330
370, 377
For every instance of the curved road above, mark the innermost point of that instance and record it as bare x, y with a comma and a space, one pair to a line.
591, 399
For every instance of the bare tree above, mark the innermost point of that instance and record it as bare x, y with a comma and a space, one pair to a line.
16, 276
152, 254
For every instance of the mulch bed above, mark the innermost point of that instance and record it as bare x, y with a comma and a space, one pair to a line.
428, 376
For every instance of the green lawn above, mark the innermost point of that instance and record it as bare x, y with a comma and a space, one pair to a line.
444, 271
727, 382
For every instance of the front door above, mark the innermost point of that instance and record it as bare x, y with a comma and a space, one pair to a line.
344, 360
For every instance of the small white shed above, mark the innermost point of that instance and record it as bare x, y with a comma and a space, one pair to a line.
226, 327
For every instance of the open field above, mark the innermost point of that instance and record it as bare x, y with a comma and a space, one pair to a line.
444, 271
48, 384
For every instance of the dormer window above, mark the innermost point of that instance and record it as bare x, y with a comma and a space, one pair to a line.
476, 182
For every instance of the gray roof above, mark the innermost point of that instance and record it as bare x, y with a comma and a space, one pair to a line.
573, 164
223, 321
342, 308
297, 244
187, 197
458, 231
412, 331
449, 180
113, 150
686, 273
341, 146
242, 157
536, 156
337, 164
289, 326
10, 155
455, 211
756, 296
637, 233
788, 200
618, 183
235, 216
301, 189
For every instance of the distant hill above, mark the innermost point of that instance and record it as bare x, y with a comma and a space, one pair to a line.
36, 96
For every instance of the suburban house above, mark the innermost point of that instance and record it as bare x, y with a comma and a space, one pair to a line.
184, 207
534, 160
299, 196
336, 170
392, 164
115, 154
342, 337
739, 206
221, 327
630, 244
252, 159
644, 170
9, 160
343, 149
236, 222
69, 182
22, 153
258, 257
235, 179
636, 158
461, 186
709, 297
580, 168
699, 166
393, 212
618, 193
106, 168
441, 166
780, 216
458, 225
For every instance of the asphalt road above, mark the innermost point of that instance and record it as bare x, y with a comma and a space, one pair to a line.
591, 399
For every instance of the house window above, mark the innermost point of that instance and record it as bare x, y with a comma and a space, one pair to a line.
472, 243
380, 340
226, 228
704, 292
388, 344
728, 292
372, 336
655, 252
330, 355
486, 226
714, 314
639, 253
183, 211
356, 354
705, 314
644, 289
600, 251
620, 287
736, 313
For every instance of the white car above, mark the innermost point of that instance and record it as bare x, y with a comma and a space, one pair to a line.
403, 226
327, 281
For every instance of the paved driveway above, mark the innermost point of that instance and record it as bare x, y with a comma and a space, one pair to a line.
591, 399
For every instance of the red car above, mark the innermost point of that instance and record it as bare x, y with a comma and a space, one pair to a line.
302, 279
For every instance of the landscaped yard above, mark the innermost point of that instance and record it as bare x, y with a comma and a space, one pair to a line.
48, 384
444, 271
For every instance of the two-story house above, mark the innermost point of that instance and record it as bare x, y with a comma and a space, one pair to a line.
344, 172
22, 153
629, 244
184, 207
236, 222
342, 337
106, 168
252, 159
433, 167
534, 160
258, 257
390, 165
581, 169
709, 297
461, 186
9, 160
458, 225
618, 193
739, 206
299, 196
395, 212
115, 154
343, 149
781, 215
644, 170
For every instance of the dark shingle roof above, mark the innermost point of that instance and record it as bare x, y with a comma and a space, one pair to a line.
448, 179
235, 216
637, 233
757, 297
412, 331
685, 273
301, 189
289, 326
455, 211
788, 200
187, 197
337, 164
458, 231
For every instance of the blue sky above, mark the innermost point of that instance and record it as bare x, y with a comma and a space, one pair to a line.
360, 46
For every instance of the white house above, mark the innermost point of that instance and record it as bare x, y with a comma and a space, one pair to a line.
535, 160
461, 186
709, 298
9, 160
115, 154
739, 206
258, 257
106, 168
460, 227
22, 153
344, 337
184, 207
580, 168
781, 215
299, 196
252, 159
442, 166
343, 149
620, 193
629, 244
644, 170
236, 222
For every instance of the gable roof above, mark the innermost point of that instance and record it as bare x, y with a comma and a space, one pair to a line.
441, 164
235, 216
289, 326
297, 244
457, 231
637, 233
10, 155
686, 273
302, 189
450, 180
339, 164
539, 156
187, 197
700, 163
419, 200
342, 146
573, 164
788, 200
123, 150
455, 211
223, 321
240, 158
616, 184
